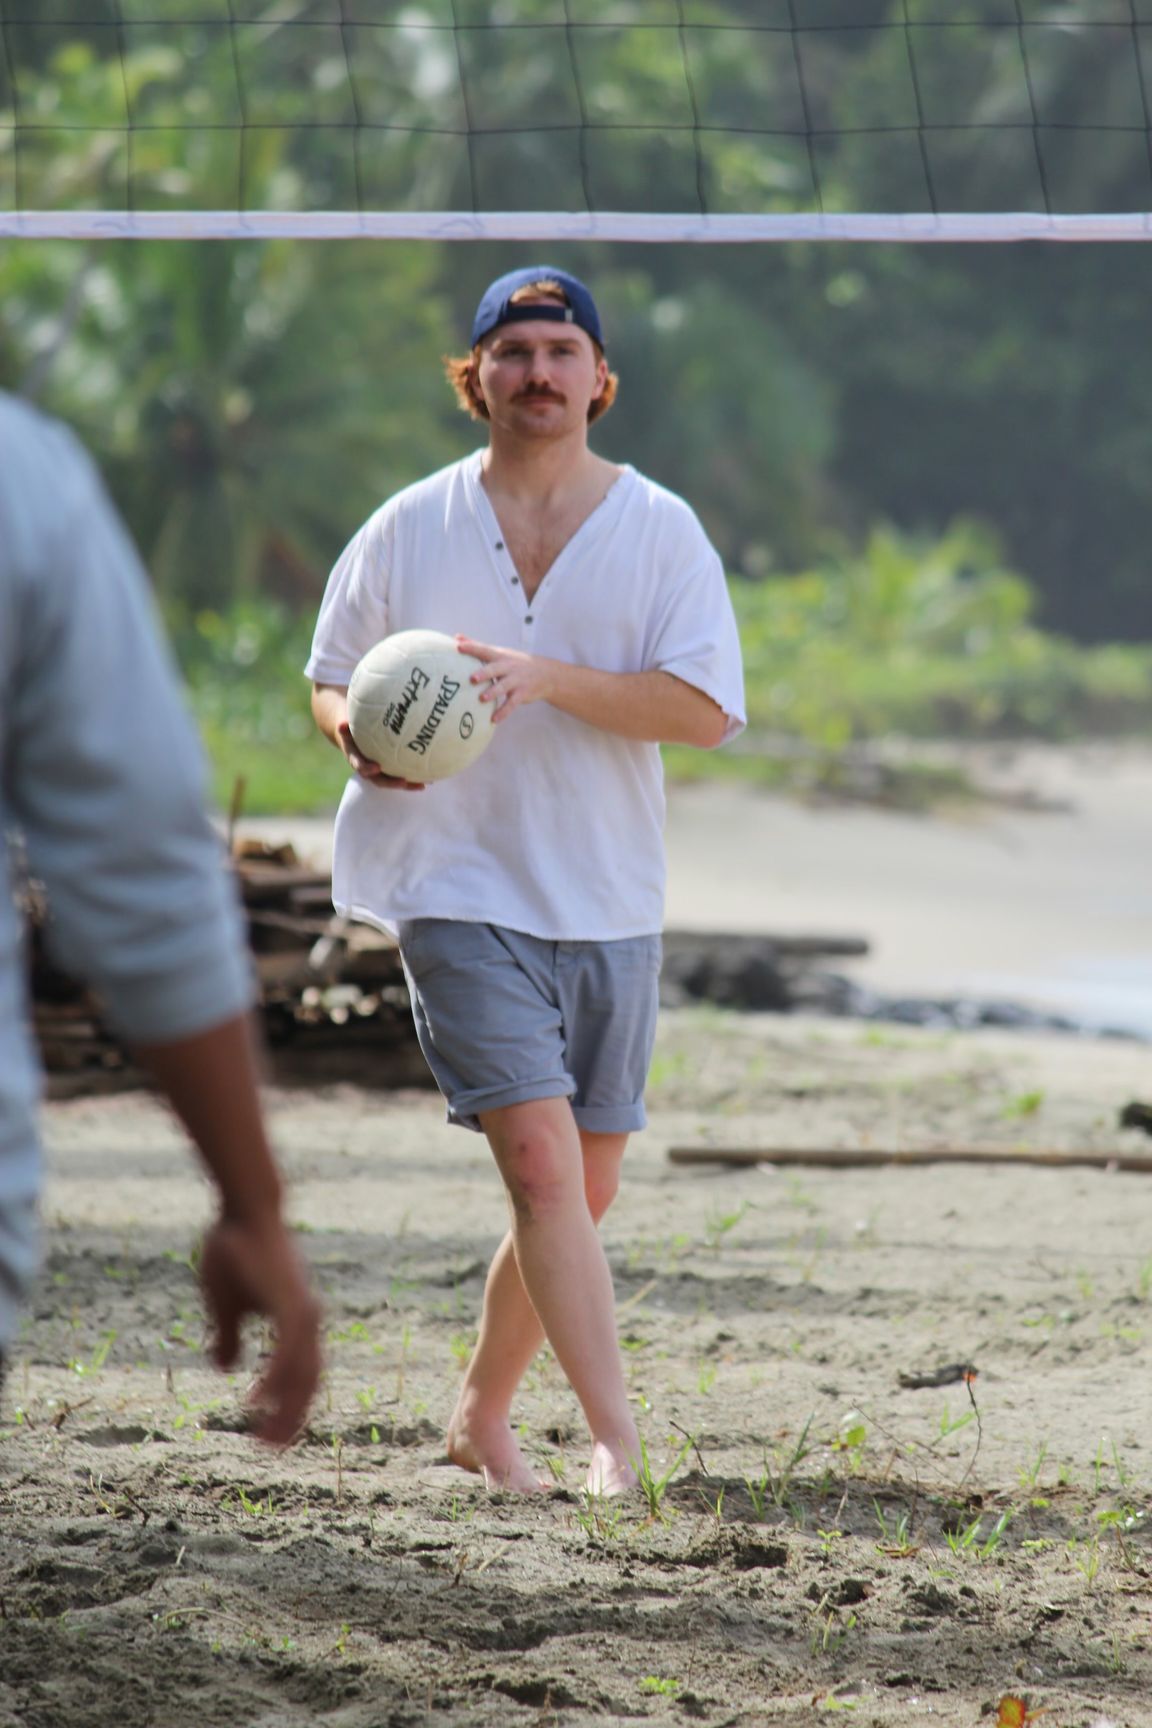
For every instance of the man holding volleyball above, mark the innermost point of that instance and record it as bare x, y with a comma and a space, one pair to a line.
527, 891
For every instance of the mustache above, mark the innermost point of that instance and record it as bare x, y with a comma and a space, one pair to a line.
538, 396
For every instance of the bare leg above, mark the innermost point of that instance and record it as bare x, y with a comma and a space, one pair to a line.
560, 1183
480, 1433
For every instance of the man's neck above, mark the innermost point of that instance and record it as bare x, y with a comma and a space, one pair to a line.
537, 472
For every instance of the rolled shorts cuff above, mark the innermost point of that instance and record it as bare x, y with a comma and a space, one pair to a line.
611, 1118
465, 1108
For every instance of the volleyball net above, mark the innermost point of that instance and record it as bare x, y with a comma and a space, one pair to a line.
625, 120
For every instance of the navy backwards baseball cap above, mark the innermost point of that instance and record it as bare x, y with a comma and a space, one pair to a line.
496, 306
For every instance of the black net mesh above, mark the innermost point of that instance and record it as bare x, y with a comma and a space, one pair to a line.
699, 108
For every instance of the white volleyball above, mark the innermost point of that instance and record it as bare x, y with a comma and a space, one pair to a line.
413, 708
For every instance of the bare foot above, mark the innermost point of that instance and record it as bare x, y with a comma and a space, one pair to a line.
492, 1452
609, 1472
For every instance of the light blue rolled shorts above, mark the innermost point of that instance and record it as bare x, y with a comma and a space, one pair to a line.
503, 1018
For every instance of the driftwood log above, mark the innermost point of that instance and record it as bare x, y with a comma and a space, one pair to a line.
737, 970
331, 995
855, 1157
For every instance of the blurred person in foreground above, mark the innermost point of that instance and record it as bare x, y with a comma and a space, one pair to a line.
101, 776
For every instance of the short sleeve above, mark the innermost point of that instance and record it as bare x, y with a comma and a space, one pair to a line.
695, 636
353, 614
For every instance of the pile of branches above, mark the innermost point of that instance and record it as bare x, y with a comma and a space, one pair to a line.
332, 995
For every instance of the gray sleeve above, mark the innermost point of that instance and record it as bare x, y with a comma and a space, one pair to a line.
105, 773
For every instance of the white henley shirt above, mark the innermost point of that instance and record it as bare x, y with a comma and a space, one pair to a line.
557, 830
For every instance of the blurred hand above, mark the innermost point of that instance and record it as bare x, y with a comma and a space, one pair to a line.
248, 1268
369, 770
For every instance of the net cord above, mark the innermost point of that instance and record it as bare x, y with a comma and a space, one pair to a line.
663, 228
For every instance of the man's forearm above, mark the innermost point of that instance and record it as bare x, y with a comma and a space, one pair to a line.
329, 708
211, 1080
655, 706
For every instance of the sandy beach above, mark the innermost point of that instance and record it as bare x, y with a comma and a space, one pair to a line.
1051, 907
818, 1536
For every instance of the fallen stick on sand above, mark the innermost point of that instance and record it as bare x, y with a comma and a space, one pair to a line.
847, 1157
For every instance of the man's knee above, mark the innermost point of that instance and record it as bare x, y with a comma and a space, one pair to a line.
538, 1161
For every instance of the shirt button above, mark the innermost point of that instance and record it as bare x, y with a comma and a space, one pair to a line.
527, 617
499, 545
515, 581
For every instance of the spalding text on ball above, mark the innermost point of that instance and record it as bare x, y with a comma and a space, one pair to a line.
413, 708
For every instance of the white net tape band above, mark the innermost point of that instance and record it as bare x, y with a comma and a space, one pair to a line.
560, 225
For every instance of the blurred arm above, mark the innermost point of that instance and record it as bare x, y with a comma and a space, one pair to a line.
104, 775
249, 1263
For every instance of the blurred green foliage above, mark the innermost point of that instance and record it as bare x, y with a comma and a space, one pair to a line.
926, 639
244, 672
250, 403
